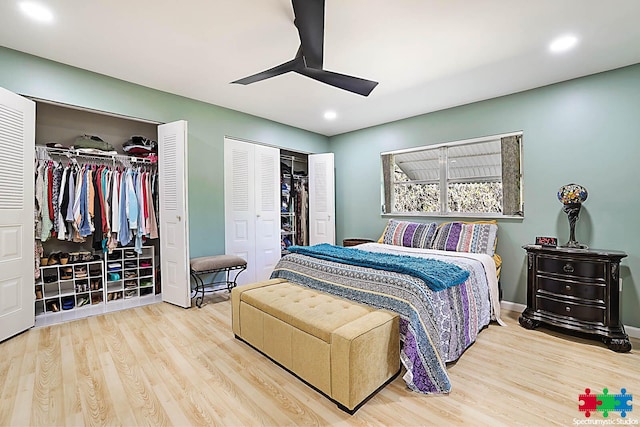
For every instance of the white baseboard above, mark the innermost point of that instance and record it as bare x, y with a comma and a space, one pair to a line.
514, 306
632, 331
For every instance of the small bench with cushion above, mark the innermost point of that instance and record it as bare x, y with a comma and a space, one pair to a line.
343, 349
212, 265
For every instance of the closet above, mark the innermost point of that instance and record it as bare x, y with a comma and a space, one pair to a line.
294, 195
93, 206
80, 277
265, 209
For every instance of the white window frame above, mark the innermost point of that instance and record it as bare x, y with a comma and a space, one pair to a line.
444, 180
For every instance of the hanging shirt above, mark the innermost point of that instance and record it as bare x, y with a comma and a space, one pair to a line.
47, 225
57, 178
153, 225
124, 237
62, 226
39, 200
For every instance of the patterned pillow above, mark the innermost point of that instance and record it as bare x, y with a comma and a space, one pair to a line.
409, 234
466, 237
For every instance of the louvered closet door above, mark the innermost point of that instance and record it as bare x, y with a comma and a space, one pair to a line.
252, 207
239, 204
267, 191
322, 226
17, 140
174, 229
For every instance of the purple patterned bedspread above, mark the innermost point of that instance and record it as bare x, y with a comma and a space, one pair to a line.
435, 327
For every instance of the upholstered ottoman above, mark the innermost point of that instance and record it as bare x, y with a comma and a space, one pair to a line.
345, 350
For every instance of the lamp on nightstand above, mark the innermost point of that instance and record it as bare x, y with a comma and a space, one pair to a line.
572, 196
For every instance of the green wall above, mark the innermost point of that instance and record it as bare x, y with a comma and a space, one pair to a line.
584, 131
207, 125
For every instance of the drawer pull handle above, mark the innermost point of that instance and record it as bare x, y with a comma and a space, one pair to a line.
568, 268
568, 288
568, 309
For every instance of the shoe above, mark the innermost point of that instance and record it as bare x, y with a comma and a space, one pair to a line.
130, 294
74, 257
130, 274
39, 292
64, 258
110, 296
68, 303
53, 306
130, 284
54, 258
44, 261
113, 277
145, 264
66, 273
83, 301
50, 278
114, 266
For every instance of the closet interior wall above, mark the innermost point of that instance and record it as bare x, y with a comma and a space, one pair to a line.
63, 124
294, 210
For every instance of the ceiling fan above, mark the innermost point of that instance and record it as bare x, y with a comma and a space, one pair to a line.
309, 19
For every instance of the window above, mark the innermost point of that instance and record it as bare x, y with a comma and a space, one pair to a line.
477, 177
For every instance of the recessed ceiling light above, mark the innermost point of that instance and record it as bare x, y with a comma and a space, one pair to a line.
330, 115
36, 11
563, 43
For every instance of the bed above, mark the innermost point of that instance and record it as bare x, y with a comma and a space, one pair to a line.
439, 318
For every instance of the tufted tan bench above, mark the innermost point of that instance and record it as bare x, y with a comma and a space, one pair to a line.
345, 350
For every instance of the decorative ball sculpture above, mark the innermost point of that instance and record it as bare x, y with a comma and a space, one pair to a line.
572, 197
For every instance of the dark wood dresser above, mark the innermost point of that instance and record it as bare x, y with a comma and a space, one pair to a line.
576, 289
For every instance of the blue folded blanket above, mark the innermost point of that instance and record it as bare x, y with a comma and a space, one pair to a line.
438, 275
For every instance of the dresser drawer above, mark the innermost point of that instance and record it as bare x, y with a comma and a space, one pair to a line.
587, 313
590, 269
587, 291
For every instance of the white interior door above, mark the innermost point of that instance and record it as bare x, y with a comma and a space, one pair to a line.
17, 141
174, 227
267, 213
322, 225
239, 204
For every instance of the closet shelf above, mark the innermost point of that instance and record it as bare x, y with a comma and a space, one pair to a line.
42, 152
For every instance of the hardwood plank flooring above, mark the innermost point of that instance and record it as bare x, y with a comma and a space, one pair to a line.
163, 365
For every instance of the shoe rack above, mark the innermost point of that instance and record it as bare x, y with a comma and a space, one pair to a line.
129, 274
64, 287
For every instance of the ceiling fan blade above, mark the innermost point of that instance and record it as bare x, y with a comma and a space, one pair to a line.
272, 72
309, 19
349, 83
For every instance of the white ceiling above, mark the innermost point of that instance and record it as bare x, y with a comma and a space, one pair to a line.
427, 55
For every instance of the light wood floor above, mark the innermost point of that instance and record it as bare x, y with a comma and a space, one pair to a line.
164, 365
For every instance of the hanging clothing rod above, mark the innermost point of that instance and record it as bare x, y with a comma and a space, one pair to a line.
42, 151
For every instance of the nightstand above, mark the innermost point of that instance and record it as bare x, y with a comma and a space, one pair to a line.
355, 242
576, 289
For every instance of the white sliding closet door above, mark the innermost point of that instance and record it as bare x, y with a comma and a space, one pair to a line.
322, 223
174, 229
252, 207
17, 141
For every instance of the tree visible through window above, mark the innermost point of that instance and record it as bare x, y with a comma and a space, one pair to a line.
473, 177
